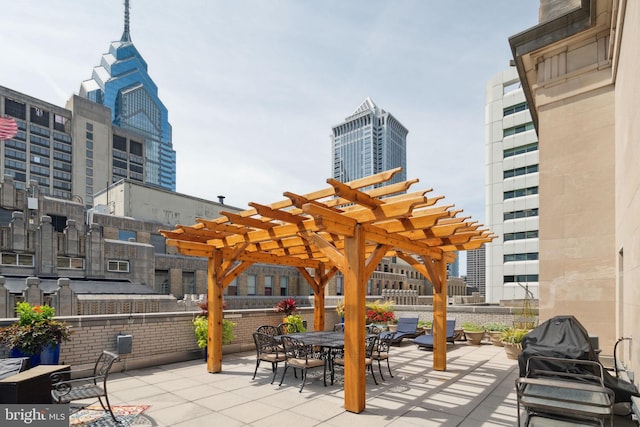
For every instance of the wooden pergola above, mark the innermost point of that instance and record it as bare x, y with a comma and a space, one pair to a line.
347, 227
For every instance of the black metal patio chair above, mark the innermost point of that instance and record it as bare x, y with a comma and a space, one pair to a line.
85, 383
304, 357
371, 344
267, 350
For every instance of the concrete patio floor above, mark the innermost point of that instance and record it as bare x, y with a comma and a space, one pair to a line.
477, 389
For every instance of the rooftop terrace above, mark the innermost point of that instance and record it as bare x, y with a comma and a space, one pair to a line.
477, 389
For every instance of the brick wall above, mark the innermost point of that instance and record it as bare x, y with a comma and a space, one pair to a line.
160, 338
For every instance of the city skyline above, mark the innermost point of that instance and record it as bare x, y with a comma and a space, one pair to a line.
253, 89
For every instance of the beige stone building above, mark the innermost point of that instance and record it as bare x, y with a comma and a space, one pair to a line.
579, 70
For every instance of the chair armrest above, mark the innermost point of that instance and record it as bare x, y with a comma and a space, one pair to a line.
64, 387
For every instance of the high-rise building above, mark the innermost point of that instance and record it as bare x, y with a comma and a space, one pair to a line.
369, 141
476, 269
121, 82
71, 152
512, 200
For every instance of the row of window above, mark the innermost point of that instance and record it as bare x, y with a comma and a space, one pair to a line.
252, 280
528, 256
525, 213
520, 150
510, 173
514, 109
521, 278
26, 260
521, 235
517, 129
520, 192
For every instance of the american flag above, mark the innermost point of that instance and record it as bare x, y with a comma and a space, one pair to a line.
8, 128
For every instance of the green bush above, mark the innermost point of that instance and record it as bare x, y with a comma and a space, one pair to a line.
201, 330
472, 327
495, 326
513, 335
296, 319
425, 323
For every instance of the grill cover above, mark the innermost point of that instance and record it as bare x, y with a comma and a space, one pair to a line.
565, 337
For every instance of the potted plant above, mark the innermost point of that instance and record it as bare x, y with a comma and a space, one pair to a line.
201, 327
494, 331
380, 312
340, 310
296, 319
287, 306
512, 341
201, 330
36, 334
473, 332
426, 325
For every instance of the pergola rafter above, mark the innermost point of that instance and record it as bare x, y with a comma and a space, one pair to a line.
346, 227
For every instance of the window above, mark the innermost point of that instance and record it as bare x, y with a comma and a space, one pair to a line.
89, 135
520, 171
39, 116
15, 109
58, 222
284, 285
520, 150
530, 256
517, 129
526, 213
127, 235
119, 143
520, 192
70, 263
339, 285
135, 148
521, 235
515, 109
117, 265
90, 126
521, 278
268, 286
251, 284
22, 260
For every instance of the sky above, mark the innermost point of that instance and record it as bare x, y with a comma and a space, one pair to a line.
254, 87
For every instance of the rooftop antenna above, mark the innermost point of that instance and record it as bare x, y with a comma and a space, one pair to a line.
126, 37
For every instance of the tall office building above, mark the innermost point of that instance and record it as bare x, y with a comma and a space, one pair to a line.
121, 83
369, 141
70, 153
476, 270
511, 191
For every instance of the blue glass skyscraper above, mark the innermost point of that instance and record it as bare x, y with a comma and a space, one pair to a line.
121, 82
369, 141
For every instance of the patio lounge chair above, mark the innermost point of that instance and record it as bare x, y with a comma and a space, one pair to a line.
426, 340
12, 366
407, 328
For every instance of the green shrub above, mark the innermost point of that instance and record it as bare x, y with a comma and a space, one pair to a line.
472, 327
513, 335
495, 326
425, 323
296, 319
201, 330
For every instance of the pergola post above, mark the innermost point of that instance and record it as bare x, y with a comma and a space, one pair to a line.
440, 317
318, 309
215, 309
355, 280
